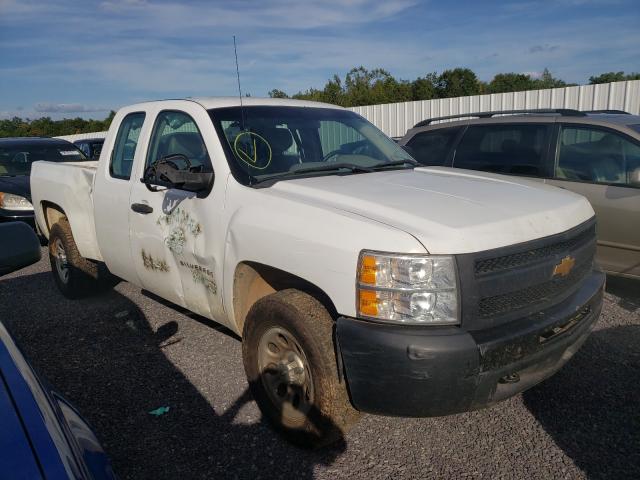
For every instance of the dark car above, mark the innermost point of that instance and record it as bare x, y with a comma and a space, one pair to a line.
41, 434
595, 154
91, 147
16, 157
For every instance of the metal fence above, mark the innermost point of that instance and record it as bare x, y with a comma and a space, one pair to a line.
395, 119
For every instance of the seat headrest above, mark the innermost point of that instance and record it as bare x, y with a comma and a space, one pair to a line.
280, 139
608, 142
186, 143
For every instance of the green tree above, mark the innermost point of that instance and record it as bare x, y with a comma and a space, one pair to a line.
45, 126
613, 77
511, 82
547, 80
275, 93
459, 82
424, 88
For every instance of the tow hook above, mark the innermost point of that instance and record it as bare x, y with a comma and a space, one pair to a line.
511, 378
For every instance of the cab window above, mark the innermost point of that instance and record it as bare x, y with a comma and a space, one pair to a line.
432, 147
176, 134
124, 149
596, 155
504, 148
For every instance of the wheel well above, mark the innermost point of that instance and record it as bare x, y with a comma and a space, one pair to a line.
52, 214
252, 281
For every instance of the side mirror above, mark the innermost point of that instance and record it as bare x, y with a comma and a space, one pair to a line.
167, 172
634, 177
19, 247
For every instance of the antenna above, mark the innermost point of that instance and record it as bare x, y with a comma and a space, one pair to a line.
235, 50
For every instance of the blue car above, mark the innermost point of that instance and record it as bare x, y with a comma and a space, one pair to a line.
41, 434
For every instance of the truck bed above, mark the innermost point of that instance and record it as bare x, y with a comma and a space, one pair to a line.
67, 186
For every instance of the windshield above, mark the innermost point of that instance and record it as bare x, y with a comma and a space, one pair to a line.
17, 159
273, 142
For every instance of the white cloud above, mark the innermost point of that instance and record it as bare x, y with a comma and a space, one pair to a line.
246, 16
67, 108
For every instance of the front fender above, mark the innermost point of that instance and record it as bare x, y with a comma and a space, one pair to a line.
318, 244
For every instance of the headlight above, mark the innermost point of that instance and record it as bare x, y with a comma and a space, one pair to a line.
10, 201
411, 289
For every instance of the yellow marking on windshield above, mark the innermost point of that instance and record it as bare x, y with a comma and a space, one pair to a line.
250, 155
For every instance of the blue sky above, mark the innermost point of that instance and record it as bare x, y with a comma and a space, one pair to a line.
83, 58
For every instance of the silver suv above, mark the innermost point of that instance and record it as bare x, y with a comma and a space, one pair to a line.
595, 154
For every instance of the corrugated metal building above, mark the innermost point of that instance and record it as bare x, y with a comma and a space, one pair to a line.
395, 119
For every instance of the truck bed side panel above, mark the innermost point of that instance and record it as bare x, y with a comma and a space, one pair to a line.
69, 186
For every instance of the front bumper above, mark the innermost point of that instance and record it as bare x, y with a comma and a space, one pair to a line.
431, 371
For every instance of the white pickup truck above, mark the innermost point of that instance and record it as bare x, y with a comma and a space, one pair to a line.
358, 281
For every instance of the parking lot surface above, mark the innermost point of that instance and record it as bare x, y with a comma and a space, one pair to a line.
122, 354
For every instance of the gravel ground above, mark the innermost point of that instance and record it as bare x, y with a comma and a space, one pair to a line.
122, 354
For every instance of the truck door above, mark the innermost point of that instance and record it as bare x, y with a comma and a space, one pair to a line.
111, 193
173, 241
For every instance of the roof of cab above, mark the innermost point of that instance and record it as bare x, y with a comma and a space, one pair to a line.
220, 102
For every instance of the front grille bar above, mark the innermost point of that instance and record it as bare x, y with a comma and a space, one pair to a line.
521, 259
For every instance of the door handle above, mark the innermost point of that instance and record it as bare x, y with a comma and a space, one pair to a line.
142, 208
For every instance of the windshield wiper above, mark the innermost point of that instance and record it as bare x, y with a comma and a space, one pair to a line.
397, 163
319, 168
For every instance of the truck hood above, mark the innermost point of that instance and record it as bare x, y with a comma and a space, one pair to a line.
448, 210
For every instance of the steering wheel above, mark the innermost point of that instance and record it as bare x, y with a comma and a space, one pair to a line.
169, 160
331, 154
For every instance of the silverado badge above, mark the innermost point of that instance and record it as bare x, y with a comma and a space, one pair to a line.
564, 267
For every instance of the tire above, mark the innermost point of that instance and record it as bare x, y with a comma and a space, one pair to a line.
289, 357
75, 276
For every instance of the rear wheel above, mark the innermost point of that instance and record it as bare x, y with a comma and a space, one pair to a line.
290, 361
74, 275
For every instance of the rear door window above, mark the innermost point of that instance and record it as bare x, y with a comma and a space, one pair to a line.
432, 147
596, 155
125, 146
504, 148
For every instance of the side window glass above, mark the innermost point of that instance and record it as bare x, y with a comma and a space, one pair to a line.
432, 147
511, 149
594, 155
85, 149
125, 146
97, 148
176, 133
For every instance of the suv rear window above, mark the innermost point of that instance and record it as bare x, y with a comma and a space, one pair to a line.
514, 149
432, 147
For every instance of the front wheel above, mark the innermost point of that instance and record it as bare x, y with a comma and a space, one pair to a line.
290, 361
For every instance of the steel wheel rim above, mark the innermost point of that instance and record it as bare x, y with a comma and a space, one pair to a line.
62, 264
285, 373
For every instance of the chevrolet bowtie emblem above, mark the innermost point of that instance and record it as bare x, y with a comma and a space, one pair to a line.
564, 267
